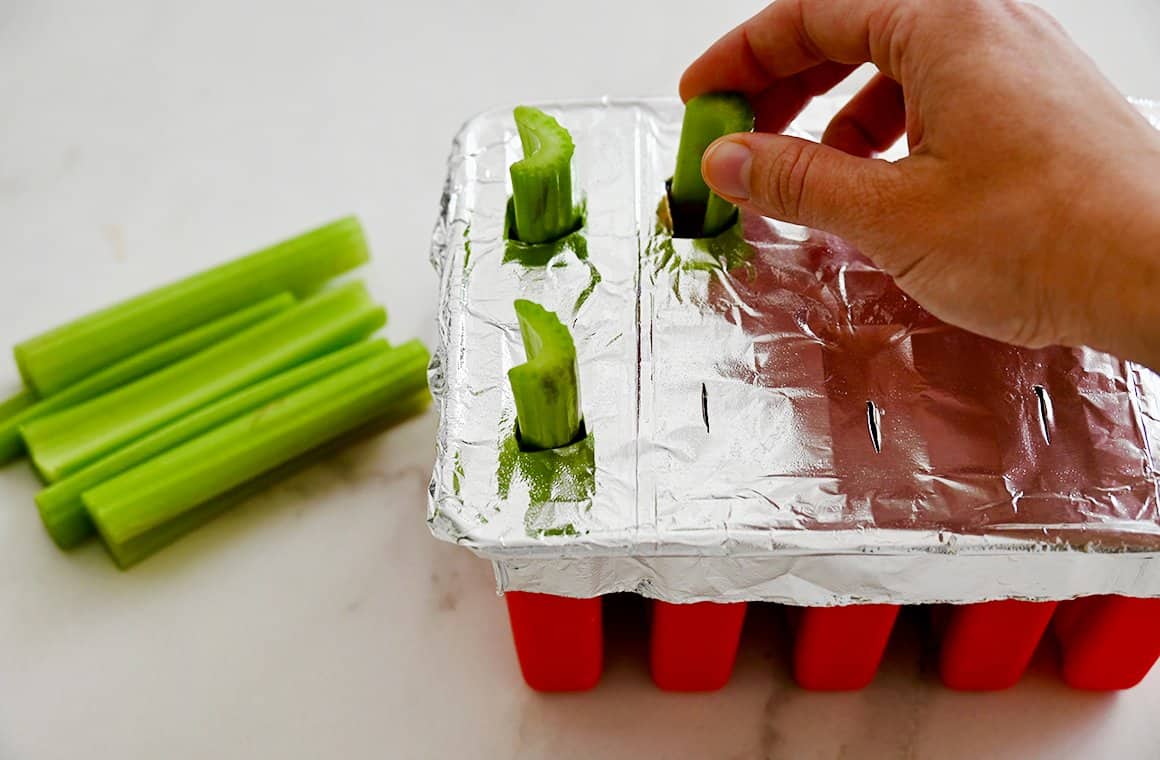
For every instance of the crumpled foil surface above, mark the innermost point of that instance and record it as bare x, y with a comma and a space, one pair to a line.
769, 416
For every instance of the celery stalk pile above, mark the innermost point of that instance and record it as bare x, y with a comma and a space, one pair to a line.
64, 442
60, 357
149, 418
148, 543
60, 504
138, 365
167, 486
707, 117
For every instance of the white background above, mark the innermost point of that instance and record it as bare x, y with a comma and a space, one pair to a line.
143, 140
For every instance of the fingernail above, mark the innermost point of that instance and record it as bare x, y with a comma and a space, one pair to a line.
726, 167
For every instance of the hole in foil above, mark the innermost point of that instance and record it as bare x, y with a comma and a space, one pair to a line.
537, 254
874, 425
1046, 413
580, 436
686, 220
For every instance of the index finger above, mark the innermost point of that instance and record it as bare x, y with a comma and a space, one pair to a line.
790, 36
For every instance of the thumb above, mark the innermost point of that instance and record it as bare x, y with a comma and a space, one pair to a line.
799, 181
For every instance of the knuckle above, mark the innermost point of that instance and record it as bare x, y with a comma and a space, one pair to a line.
1040, 17
891, 27
1030, 328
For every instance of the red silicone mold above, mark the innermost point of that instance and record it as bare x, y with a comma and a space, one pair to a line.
839, 648
693, 646
559, 640
987, 646
1107, 642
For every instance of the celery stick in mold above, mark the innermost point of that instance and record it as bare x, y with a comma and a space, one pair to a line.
182, 478
138, 365
707, 117
546, 387
60, 357
64, 442
542, 180
63, 512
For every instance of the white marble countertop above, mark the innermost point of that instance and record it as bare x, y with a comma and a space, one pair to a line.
141, 140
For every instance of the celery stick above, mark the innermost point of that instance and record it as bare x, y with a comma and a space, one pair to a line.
138, 365
129, 553
11, 409
180, 479
64, 442
17, 403
542, 181
61, 357
719, 216
546, 387
63, 512
707, 117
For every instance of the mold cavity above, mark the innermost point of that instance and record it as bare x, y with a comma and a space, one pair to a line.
525, 448
512, 238
687, 220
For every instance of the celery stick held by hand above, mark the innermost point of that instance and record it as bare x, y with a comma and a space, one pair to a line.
67, 354
546, 387
697, 211
542, 181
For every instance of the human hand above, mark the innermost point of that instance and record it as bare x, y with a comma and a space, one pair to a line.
1028, 209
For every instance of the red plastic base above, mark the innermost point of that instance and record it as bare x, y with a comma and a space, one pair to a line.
1108, 642
840, 648
987, 646
694, 646
559, 640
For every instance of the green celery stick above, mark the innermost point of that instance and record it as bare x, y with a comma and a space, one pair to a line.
11, 409
17, 403
138, 365
707, 117
184, 477
542, 180
63, 512
60, 357
719, 216
129, 553
546, 387
64, 442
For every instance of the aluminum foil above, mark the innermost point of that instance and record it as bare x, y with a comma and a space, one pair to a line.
770, 417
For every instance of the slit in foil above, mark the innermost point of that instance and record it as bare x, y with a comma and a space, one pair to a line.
705, 406
1046, 413
874, 424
